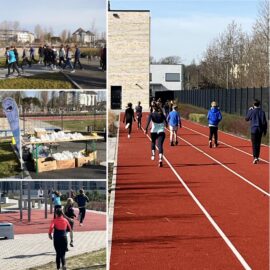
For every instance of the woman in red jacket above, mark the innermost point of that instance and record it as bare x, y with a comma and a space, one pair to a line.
59, 225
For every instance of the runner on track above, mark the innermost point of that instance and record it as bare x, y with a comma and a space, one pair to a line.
129, 118
159, 122
70, 215
59, 225
81, 200
258, 126
214, 117
174, 121
138, 110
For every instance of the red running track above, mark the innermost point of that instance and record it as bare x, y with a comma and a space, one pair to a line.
38, 224
157, 224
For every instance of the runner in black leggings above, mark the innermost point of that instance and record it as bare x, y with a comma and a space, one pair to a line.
158, 120
129, 118
59, 225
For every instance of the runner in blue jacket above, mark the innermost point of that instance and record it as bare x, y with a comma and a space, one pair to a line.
214, 117
174, 121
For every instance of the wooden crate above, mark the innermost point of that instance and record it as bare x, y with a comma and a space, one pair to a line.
45, 166
65, 164
86, 160
39, 133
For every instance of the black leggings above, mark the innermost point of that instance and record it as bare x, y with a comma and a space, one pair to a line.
213, 131
256, 139
139, 119
130, 126
14, 66
77, 60
60, 245
160, 137
82, 214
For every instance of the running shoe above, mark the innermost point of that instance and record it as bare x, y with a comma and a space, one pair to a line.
72, 71
81, 224
152, 157
176, 143
171, 144
160, 164
210, 144
129, 136
216, 145
127, 126
255, 161
71, 244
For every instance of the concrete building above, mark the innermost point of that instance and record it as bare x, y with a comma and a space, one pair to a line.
128, 57
165, 77
16, 36
83, 37
87, 99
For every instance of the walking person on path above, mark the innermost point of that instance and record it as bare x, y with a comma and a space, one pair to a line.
158, 120
174, 121
57, 201
77, 56
59, 227
258, 127
41, 54
129, 118
12, 61
214, 116
62, 55
138, 111
81, 200
70, 215
69, 55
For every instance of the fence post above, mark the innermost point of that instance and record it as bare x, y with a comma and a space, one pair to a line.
241, 96
261, 95
253, 93
247, 100
235, 100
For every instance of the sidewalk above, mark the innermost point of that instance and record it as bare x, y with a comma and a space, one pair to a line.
28, 250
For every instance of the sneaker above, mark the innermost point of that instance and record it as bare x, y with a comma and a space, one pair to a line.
64, 268
72, 71
160, 163
216, 145
71, 244
210, 144
127, 126
152, 157
81, 224
176, 143
255, 161
171, 144
128, 136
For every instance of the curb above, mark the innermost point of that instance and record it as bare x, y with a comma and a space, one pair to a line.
71, 80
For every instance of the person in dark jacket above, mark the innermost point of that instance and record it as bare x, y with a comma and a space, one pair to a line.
81, 200
138, 110
77, 56
129, 118
70, 215
258, 127
214, 116
41, 54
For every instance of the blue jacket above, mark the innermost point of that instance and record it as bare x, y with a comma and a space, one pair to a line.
57, 200
174, 119
257, 119
214, 116
11, 57
77, 53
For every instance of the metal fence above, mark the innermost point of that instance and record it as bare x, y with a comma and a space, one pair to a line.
233, 101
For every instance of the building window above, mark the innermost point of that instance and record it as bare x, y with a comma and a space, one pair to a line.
150, 76
172, 77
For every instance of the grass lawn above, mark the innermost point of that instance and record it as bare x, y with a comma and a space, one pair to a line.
9, 165
41, 81
88, 261
80, 125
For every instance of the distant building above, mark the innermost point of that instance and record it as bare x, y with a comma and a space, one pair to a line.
129, 57
16, 36
164, 77
87, 99
56, 40
83, 37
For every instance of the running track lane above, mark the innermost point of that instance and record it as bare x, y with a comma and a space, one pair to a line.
156, 223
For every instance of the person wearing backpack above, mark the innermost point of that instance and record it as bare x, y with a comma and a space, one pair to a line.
214, 117
258, 127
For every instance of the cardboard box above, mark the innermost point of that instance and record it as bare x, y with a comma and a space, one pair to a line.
65, 164
46, 165
92, 157
39, 133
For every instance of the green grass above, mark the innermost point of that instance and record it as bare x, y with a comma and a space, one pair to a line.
41, 81
88, 261
9, 165
231, 123
80, 125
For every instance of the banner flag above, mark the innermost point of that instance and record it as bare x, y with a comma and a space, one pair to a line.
12, 113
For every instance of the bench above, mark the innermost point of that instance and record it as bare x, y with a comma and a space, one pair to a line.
6, 231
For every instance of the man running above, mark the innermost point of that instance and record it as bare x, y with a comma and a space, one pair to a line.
174, 121
81, 200
138, 111
258, 127
129, 118
158, 120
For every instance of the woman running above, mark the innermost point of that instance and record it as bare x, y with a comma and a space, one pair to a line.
129, 118
159, 122
70, 215
59, 225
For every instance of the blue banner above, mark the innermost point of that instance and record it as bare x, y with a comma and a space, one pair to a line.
12, 113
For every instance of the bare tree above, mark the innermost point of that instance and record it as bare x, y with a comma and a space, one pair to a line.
44, 97
64, 34
172, 60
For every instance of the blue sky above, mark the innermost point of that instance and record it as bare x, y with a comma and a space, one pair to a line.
58, 14
186, 27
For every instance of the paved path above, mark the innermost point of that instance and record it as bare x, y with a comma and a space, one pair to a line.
29, 250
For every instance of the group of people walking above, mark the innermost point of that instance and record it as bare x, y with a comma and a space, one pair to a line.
63, 223
161, 116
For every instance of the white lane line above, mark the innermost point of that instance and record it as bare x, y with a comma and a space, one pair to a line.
226, 167
208, 216
225, 144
